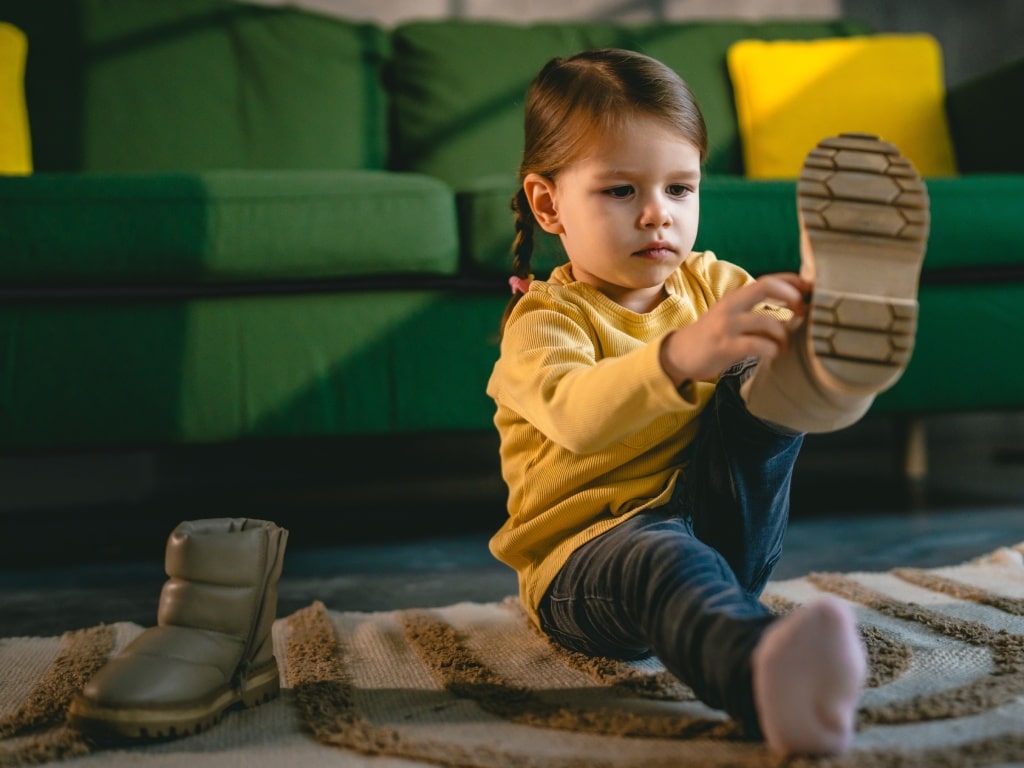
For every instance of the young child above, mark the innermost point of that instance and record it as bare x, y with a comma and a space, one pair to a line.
651, 400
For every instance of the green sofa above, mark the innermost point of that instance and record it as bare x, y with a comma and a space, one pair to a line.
253, 222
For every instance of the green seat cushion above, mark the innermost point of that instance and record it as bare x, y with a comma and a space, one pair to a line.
226, 225
967, 208
122, 85
229, 368
754, 224
964, 356
459, 85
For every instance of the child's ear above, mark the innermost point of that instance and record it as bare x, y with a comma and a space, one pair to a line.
540, 192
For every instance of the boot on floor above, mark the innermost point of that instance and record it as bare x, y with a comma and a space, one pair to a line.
864, 221
212, 645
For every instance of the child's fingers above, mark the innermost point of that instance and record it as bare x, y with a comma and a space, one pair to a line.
793, 279
767, 289
760, 345
784, 289
765, 326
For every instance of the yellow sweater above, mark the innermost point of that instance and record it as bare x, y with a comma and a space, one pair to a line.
592, 429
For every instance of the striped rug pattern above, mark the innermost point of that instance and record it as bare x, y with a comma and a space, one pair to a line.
474, 686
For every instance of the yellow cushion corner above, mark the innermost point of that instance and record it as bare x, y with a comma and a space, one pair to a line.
15, 142
792, 93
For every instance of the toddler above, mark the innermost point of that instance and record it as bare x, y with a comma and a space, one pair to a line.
651, 400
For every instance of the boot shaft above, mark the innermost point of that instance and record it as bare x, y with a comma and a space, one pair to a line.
223, 575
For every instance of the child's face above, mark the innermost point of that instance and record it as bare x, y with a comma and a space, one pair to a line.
627, 212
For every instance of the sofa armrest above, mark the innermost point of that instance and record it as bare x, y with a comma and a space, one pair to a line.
984, 139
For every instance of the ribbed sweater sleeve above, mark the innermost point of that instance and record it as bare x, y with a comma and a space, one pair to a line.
554, 381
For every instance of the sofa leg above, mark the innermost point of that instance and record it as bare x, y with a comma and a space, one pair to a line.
914, 449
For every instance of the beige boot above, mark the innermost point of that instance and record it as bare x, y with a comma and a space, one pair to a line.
212, 645
864, 222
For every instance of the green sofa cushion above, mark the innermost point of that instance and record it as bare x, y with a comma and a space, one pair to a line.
964, 358
754, 224
123, 85
459, 85
220, 369
965, 206
224, 225
457, 108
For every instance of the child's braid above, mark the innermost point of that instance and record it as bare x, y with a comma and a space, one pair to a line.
522, 246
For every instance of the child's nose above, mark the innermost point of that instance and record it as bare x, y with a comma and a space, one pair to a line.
655, 214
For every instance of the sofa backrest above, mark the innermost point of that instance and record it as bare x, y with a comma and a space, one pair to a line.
124, 85
458, 86
127, 85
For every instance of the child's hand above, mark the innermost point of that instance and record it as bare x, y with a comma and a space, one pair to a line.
732, 330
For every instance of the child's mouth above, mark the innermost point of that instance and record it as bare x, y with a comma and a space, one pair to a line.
658, 252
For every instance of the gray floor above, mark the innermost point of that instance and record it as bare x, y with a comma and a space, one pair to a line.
63, 567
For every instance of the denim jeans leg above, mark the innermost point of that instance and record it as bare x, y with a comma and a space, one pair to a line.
738, 484
651, 586
683, 581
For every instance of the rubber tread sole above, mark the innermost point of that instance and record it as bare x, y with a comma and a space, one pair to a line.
113, 723
864, 214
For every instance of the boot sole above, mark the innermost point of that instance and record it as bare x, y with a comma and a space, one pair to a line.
113, 723
864, 216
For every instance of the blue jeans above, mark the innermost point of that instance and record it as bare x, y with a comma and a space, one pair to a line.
683, 581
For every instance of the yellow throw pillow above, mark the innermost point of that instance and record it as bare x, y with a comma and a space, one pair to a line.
792, 93
15, 143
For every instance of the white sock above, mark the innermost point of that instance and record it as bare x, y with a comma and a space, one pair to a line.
808, 671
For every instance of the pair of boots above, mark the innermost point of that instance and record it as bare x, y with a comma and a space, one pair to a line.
864, 221
212, 645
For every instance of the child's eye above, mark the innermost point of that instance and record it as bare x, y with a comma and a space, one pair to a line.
619, 192
678, 190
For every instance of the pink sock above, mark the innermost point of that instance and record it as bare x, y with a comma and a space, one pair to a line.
809, 669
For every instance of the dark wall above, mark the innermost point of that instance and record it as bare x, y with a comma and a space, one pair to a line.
977, 36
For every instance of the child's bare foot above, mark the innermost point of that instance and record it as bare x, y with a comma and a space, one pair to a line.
809, 669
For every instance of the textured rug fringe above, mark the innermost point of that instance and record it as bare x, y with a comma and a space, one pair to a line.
83, 652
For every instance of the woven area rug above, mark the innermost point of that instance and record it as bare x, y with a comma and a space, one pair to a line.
471, 685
